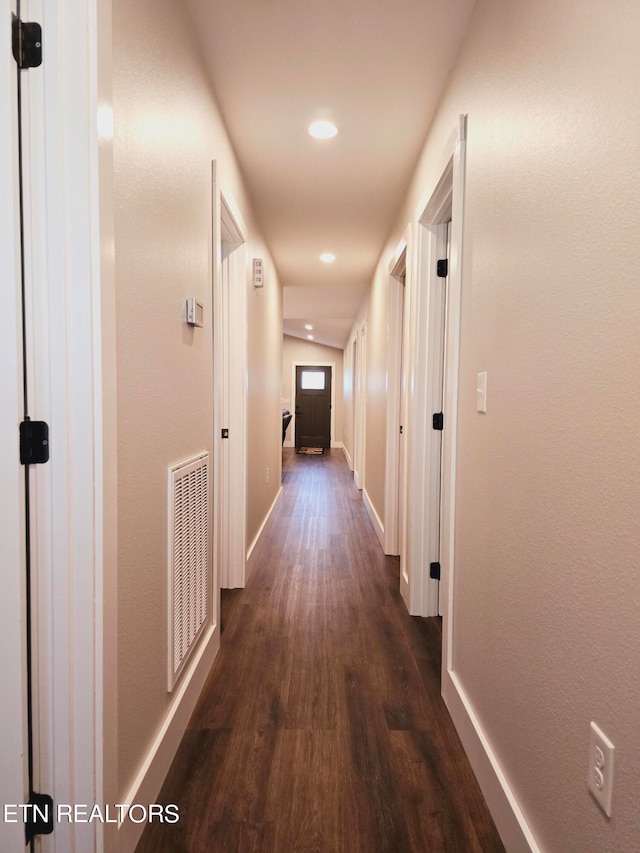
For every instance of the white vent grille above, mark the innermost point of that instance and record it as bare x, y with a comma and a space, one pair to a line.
189, 593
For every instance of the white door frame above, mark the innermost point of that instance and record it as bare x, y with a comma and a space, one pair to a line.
360, 391
230, 387
349, 386
396, 337
13, 779
444, 200
296, 364
71, 342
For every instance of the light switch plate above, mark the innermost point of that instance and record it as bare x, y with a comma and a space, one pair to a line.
258, 272
481, 392
195, 312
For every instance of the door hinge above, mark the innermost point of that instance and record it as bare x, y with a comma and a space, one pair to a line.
443, 268
34, 442
27, 43
401, 429
224, 433
434, 571
438, 420
39, 820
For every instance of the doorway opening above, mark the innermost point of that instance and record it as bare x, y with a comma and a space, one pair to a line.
360, 410
313, 424
395, 468
229, 378
435, 304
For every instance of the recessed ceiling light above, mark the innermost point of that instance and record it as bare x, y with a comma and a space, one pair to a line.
309, 327
310, 337
327, 258
322, 129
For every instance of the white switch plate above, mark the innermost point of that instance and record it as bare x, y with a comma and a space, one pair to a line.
600, 775
195, 312
481, 392
258, 272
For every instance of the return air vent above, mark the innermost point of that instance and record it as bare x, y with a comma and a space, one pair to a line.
189, 589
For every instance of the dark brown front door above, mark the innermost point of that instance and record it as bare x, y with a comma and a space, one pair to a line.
313, 407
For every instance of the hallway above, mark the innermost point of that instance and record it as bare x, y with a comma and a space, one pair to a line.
321, 727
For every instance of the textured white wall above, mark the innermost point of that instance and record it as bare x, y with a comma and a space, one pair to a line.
167, 132
547, 622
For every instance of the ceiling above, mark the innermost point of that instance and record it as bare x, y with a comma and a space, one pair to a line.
376, 68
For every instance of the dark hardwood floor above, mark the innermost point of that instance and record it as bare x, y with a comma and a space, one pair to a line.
321, 727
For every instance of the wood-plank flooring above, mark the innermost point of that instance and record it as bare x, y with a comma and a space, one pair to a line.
321, 727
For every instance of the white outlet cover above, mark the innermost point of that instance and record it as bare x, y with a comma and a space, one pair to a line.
600, 773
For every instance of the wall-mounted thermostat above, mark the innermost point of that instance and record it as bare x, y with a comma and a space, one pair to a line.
258, 272
195, 312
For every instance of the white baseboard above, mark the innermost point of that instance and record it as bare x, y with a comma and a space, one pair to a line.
347, 456
508, 817
263, 525
153, 770
375, 518
288, 443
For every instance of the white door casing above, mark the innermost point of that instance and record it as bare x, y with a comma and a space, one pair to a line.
13, 779
395, 468
360, 413
443, 201
67, 211
230, 388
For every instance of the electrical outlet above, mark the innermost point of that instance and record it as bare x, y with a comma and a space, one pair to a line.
600, 776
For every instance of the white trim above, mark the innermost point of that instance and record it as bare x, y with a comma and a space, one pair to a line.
375, 518
452, 361
263, 525
347, 456
229, 305
444, 200
360, 394
395, 337
508, 817
156, 763
294, 390
68, 194
13, 779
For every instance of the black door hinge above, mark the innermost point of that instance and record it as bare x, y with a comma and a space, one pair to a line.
443, 268
401, 428
39, 820
438, 420
434, 571
34, 442
224, 433
27, 43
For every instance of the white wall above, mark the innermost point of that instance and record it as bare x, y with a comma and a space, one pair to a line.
167, 132
296, 350
546, 620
